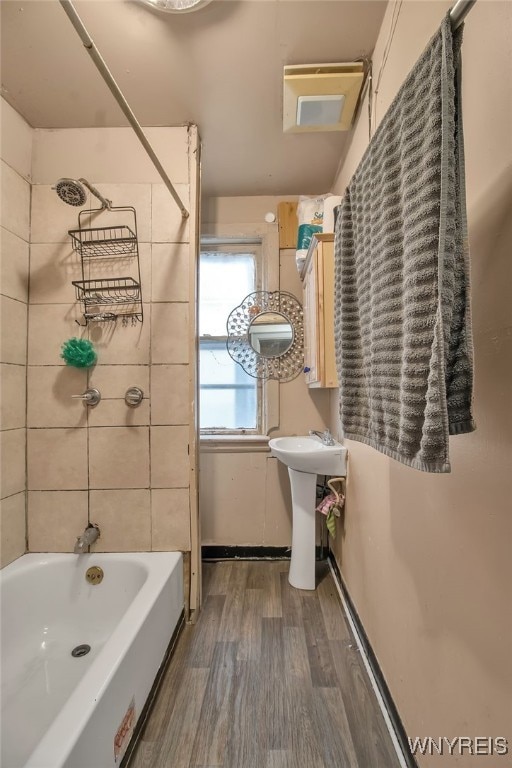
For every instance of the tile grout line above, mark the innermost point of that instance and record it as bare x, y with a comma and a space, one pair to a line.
27, 543
150, 362
27, 179
16, 493
88, 454
13, 298
85, 490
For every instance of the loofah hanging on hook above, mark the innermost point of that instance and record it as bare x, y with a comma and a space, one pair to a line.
79, 353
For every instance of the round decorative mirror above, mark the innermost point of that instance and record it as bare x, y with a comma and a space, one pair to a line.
266, 335
270, 334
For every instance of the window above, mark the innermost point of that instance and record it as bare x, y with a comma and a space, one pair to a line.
229, 397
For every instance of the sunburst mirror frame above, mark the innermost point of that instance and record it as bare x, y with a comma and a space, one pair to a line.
283, 367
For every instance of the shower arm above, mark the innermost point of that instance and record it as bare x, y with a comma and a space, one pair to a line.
104, 202
104, 71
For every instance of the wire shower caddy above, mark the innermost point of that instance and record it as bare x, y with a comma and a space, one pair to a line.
107, 298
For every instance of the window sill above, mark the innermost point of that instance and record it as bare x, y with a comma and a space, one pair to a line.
233, 443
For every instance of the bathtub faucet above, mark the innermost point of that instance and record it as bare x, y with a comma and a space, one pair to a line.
87, 538
325, 436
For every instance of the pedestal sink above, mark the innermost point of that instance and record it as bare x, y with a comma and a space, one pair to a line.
306, 457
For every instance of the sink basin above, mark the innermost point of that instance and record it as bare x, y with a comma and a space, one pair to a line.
307, 453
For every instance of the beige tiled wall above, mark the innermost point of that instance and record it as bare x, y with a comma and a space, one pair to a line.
101, 464
16, 151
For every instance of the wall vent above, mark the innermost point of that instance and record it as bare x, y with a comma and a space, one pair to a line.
321, 97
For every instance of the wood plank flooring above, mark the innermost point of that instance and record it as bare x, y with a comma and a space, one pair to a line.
269, 677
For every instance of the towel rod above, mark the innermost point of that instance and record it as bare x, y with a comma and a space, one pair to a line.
459, 11
106, 74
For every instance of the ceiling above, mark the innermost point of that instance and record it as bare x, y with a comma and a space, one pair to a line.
220, 67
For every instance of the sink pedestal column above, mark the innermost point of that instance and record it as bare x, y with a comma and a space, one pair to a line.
302, 565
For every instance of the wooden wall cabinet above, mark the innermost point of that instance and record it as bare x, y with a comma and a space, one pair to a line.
318, 279
287, 224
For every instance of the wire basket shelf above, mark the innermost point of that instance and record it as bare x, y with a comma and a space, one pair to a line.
104, 241
105, 299
108, 299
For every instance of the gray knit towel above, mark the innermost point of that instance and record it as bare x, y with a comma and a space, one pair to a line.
402, 317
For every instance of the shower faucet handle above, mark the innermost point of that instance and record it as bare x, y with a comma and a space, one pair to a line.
134, 396
90, 397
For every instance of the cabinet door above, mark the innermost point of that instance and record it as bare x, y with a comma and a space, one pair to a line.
325, 269
319, 348
311, 358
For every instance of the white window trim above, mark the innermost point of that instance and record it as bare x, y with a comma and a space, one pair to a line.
229, 443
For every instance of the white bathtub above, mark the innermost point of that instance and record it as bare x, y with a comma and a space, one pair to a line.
64, 712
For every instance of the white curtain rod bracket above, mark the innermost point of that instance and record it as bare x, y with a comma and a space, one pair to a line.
107, 76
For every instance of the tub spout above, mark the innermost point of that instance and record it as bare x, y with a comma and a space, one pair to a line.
87, 538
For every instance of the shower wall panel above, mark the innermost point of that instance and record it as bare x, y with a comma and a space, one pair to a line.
130, 470
16, 152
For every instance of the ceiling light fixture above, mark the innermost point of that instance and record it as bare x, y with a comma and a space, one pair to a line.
176, 6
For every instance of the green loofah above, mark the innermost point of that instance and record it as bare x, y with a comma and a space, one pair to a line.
79, 352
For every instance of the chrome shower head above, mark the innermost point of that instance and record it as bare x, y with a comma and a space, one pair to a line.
71, 192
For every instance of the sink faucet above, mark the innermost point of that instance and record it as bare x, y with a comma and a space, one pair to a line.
87, 538
325, 436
